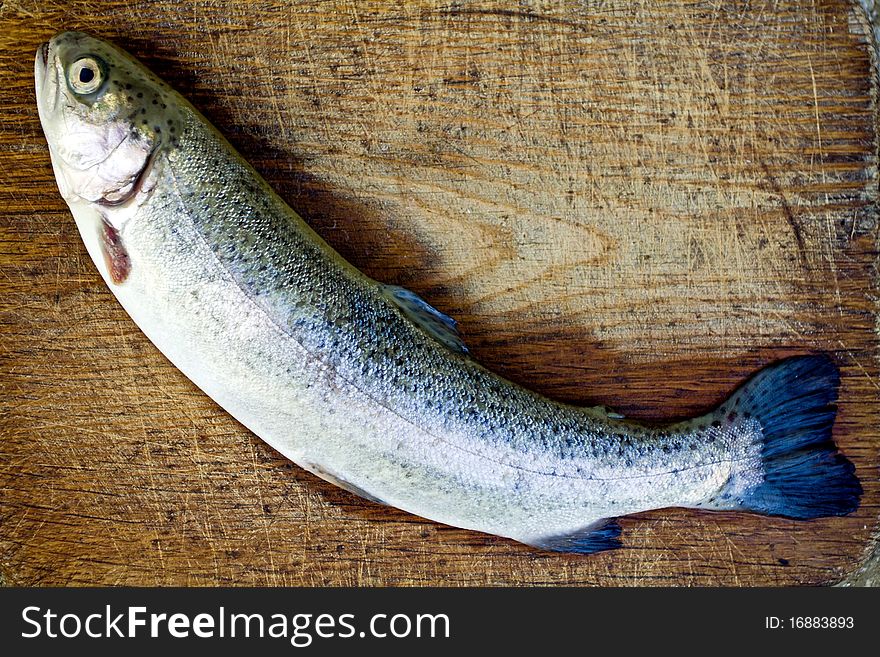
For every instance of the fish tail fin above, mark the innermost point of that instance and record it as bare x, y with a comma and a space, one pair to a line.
800, 474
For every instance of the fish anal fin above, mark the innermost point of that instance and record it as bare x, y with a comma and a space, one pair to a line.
597, 537
439, 326
342, 483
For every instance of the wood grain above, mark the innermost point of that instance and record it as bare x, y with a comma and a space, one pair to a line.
631, 202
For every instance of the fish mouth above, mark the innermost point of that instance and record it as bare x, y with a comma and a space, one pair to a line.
41, 68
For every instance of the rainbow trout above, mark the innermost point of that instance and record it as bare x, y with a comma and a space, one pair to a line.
365, 384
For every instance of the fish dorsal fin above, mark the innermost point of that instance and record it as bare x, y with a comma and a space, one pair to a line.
439, 326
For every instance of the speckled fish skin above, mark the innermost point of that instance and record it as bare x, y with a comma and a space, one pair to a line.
320, 361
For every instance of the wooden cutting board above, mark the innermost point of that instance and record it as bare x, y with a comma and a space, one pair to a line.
634, 203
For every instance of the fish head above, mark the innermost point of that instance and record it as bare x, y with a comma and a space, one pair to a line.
105, 117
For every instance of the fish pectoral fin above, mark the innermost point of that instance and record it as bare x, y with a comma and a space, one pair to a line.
596, 537
439, 326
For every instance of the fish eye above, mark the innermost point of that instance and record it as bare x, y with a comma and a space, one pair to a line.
85, 75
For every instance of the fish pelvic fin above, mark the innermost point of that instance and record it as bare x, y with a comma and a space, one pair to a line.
597, 537
801, 474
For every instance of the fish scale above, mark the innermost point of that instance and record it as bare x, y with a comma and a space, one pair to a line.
366, 384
